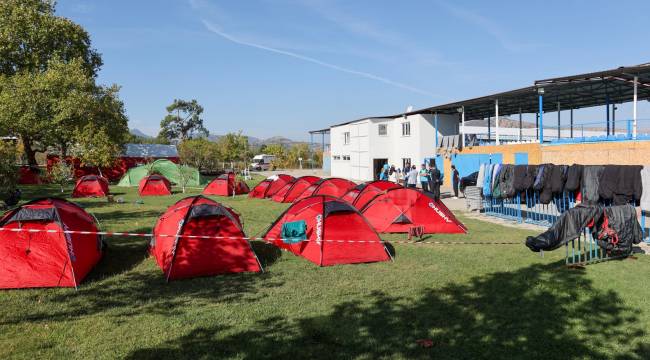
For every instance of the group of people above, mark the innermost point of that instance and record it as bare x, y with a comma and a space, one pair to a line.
429, 177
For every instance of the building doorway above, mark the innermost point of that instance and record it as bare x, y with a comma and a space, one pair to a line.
377, 165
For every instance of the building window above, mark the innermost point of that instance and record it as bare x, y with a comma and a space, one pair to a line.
406, 129
382, 129
346, 157
346, 138
406, 163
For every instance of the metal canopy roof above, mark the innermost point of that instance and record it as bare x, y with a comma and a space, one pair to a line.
576, 91
572, 92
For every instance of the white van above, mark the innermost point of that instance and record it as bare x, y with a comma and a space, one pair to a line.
262, 162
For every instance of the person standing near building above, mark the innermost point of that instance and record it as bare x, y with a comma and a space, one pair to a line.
383, 174
424, 178
436, 181
455, 179
392, 174
412, 177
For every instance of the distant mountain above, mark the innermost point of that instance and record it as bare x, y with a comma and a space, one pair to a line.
138, 133
253, 141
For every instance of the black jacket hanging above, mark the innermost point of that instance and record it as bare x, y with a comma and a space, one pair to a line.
568, 227
573, 178
620, 184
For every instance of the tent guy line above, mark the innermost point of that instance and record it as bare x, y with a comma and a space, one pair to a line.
127, 234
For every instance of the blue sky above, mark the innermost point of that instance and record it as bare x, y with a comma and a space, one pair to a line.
284, 67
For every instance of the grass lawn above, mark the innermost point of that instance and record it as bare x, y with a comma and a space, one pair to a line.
472, 301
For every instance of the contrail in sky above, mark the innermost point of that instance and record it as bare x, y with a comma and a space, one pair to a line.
366, 75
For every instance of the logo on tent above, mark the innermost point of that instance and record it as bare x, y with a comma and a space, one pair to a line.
319, 227
442, 215
68, 242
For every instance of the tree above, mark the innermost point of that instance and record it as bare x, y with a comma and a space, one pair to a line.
184, 175
199, 153
31, 35
8, 170
96, 148
61, 173
233, 147
183, 121
47, 80
50, 108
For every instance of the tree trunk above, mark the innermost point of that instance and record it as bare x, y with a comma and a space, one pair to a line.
64, 150
99, 170
29, 151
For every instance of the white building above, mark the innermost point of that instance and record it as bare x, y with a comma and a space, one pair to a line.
360, 148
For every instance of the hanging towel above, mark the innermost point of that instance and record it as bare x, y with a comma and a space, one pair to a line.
645, 181
294, 232
481, 175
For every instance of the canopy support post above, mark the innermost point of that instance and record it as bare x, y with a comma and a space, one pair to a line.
634, 109
559, 121
571, 117
496, 119
541, 118
489, 129
607, 112
462, 122
520, 125
435, 124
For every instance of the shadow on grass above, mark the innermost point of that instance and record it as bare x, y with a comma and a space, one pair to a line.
538, 312
266, 253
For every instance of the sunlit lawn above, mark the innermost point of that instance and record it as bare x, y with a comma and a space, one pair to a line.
471, 301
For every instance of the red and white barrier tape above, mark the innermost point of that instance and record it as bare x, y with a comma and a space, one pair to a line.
128, 234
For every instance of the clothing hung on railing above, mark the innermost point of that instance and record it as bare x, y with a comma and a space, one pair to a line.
616, 228
620, 184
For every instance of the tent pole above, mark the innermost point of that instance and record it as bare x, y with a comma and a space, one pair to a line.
537, 125
634, 109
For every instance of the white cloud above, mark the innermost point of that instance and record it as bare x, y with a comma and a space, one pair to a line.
213, 28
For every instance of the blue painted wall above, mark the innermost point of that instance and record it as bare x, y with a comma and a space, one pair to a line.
521, 158
326, 164
469, 163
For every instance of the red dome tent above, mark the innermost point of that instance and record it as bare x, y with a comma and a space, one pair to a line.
259, 190
336, 187
278, 183
371, 190
327, 219
47, 259
90, 186
154, 185
225, 185
292, 190
353, 193
398, 210
180, 256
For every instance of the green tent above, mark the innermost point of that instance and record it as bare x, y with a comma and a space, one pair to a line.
165, 168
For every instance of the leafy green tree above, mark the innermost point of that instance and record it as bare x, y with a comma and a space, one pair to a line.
183, 121
61, 173
233, 147
31, 36
94, 147
50, 108
8, 170
199, 153
47, 80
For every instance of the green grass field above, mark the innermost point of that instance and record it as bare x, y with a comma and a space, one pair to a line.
472, 301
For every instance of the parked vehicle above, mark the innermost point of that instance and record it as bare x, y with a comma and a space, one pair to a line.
262, 162
469, 180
